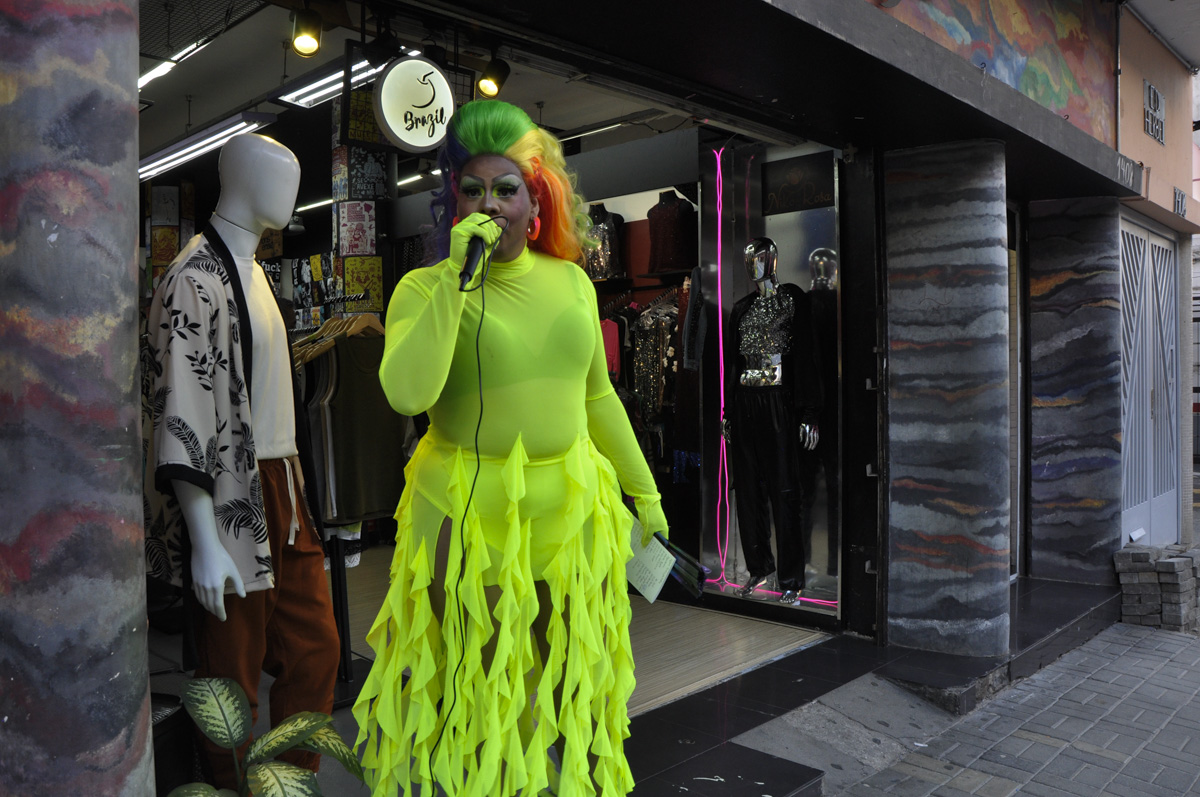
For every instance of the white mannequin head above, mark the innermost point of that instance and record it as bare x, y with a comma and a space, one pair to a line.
259, 181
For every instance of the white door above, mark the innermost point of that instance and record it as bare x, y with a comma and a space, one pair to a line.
1149, 386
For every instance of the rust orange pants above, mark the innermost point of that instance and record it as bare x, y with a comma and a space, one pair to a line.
287, 632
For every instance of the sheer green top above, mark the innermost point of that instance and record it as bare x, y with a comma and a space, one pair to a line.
541, 364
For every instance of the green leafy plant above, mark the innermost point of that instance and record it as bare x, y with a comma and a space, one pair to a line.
220, 709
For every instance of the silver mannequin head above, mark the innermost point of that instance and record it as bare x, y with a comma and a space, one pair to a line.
823, 266
761, 257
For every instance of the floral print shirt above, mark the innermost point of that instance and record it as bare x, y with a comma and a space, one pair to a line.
196, 413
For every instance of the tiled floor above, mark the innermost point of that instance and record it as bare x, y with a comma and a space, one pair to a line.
686, 748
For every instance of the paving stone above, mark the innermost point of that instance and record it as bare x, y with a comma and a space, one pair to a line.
1126, 786
1096, 777
932, 764
1036, 789
1141, 770
1177, 779
1000, 769
1065, 785
999, 787
911, 787
969, 780
964, 753
945, 790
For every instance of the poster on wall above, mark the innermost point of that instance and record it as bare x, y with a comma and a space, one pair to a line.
164, 245
801, 183
356, 228
164, 206
364, 275
270, 244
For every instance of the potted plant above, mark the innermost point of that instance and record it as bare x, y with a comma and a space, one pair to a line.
220, 709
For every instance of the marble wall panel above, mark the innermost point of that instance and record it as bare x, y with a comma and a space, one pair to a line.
1075, 376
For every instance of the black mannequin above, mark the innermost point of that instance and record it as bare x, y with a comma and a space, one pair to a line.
823, 266
673, 235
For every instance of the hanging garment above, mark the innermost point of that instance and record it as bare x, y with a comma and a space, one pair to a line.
546, 507
366, 435
603, 261
673, 234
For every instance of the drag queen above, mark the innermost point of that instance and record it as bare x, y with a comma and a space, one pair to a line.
507, 609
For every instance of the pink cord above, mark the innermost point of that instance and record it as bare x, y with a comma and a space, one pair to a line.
723, 458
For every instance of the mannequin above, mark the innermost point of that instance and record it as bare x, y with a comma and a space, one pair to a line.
776, 391
673, 237
226, 458
823, 268
603, 261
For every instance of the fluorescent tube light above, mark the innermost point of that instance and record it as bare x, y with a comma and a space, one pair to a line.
320, 204
315, 92
156, 72
591, 132
172, 62
199, 143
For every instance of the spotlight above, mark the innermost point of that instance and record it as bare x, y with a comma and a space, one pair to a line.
306, 33
493, 77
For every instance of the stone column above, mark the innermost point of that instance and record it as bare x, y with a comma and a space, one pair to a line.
947, 440
74, 688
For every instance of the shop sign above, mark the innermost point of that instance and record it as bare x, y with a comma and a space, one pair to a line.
802, 183
413, 103
1154, 112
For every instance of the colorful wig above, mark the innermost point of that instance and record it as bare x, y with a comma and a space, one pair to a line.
492, 127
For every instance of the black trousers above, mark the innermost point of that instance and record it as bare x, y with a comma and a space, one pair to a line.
766, 466
811, 462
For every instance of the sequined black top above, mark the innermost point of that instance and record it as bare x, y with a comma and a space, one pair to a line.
793, 342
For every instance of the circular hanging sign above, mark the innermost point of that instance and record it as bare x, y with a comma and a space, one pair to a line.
413, 103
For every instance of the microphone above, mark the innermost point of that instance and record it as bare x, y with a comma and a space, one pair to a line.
471, 264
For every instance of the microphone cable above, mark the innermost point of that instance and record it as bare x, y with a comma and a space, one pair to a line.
462, 544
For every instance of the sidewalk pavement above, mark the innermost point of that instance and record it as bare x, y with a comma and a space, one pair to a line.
1118, 716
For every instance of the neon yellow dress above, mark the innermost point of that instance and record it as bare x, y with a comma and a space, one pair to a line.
553, 444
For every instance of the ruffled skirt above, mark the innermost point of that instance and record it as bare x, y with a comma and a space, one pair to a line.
480, 731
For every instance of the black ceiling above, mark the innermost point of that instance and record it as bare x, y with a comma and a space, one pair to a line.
165, 28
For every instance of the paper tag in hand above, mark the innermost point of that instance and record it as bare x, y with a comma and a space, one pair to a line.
647, 571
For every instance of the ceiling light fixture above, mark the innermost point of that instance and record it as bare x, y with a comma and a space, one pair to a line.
491, 80
170, 63
306, 32
314, 91
314, 205
201, 142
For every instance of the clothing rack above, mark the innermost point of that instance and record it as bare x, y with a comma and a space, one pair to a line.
663, 298
612, 305
353, 297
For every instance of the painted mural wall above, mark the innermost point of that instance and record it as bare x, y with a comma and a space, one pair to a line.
1061, 53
